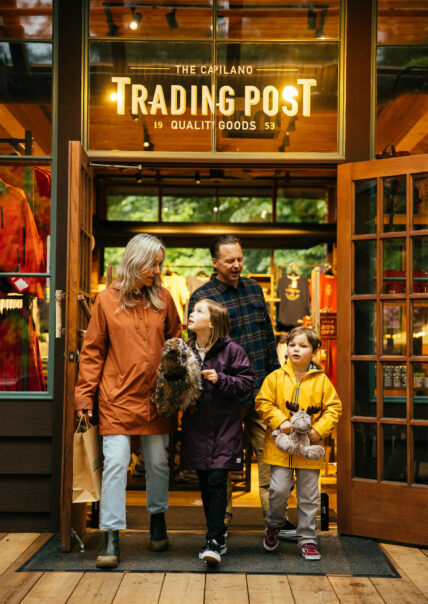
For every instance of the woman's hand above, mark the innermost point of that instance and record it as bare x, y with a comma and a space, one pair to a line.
210, 375
82, 412
314, 437
286, 427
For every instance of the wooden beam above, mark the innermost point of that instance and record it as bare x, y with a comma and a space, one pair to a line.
14, 128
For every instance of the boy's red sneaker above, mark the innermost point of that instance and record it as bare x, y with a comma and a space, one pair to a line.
310, 551
271, 539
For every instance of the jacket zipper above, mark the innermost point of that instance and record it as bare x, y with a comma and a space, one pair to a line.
296, 398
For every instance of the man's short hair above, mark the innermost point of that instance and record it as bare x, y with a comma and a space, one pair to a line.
222, 240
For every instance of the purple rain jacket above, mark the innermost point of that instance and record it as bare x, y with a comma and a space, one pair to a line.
212, 437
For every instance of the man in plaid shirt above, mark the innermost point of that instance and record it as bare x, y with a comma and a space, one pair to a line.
251, 328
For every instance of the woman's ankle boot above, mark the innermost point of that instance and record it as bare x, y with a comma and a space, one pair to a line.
109, 556
158, 536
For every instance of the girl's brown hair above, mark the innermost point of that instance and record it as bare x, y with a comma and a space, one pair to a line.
310, 334
220, 319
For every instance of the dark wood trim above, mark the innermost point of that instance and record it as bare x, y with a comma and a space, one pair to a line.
358, 79
26, 418
69, 113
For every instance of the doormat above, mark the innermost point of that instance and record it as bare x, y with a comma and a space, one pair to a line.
193, 518
355, 556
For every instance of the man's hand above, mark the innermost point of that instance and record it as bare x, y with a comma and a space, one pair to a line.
286, 427
314, 437
82, 412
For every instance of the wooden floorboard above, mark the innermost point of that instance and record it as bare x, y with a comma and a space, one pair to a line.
53, 588
413, 562
307, 589
96, 588
271, 590
226, 589
354, 590
400, 591
12, 546
14, 587
139, 587
183, 588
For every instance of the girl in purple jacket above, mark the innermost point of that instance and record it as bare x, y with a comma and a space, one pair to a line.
212, 437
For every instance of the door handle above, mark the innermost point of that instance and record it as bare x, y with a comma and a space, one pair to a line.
59, 295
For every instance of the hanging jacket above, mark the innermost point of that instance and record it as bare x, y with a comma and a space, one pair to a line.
212, 437
121, 353
315, 389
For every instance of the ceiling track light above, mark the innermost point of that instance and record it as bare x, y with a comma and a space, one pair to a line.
319, 32
136, 19
139, 177
197, 178
287, 178
158, 177
171, 20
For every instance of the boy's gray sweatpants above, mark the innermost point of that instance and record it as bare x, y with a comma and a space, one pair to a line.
281, 482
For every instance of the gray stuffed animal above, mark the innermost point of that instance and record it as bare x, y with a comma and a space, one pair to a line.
298, 442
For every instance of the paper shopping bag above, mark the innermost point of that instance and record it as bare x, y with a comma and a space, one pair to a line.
87, 463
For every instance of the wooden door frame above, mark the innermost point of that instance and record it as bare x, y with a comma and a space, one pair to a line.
369, 507
72, 516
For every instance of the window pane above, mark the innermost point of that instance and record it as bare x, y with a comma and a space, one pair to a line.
420, 454
394, 453
189, 262
243, 206
394, 328
420, 390
364, 327
365, 450
274, 20
394, 266
402, 21
25, 97
122, 19
25, 224
394, 204
365, 207
26, 19
188, 205
138, 205
305, 208
420, 201
420, 265
289, 111
394, 390
402, 73
365, 267
365, 389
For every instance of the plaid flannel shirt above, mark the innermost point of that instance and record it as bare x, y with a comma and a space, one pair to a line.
250, 321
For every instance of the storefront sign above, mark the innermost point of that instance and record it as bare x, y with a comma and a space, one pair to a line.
328, 326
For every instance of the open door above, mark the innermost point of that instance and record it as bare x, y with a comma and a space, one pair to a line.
77, 299
383, 348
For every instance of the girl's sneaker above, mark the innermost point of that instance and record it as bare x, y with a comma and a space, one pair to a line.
209, 545
310, 551
213, 551
271, 540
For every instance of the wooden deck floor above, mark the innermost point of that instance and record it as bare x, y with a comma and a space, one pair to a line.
188, 588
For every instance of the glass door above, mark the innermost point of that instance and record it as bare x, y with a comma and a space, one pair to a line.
383, 348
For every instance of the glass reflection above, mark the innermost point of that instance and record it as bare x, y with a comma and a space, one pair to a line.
365, 267
304, 208
25, 98
365, 389
394, 453
266, 19
364, 327
420, 454
24, 337
243, 206
402, 73
188, 205
398, 21
394, 390
394, 328
394, 204
394, 266
138, 204
420, 390
420, 265
365, 450
149, 21
420, 201
26, 19
420, 328
365, 206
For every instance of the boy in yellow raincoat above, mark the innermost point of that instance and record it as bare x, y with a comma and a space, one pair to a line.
301, 381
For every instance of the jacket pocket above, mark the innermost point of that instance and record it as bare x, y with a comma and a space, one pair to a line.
258, 310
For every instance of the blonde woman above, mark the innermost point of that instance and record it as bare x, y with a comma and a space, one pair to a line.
122, 350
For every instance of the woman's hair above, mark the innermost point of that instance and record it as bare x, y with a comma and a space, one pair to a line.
310, 334
139, 256
220, 319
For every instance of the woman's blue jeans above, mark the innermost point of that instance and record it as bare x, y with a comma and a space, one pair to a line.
117, 453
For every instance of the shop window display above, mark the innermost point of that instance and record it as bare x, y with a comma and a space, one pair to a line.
24, 299
26, 19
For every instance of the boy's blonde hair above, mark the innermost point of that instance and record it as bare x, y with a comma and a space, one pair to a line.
220, 320
311, 335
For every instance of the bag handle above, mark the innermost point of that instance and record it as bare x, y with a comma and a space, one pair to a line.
83, 428
392, 149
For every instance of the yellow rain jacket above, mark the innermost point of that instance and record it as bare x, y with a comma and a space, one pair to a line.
315, 389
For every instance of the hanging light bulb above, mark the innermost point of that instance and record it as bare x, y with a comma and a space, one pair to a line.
136, 19
197, 178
